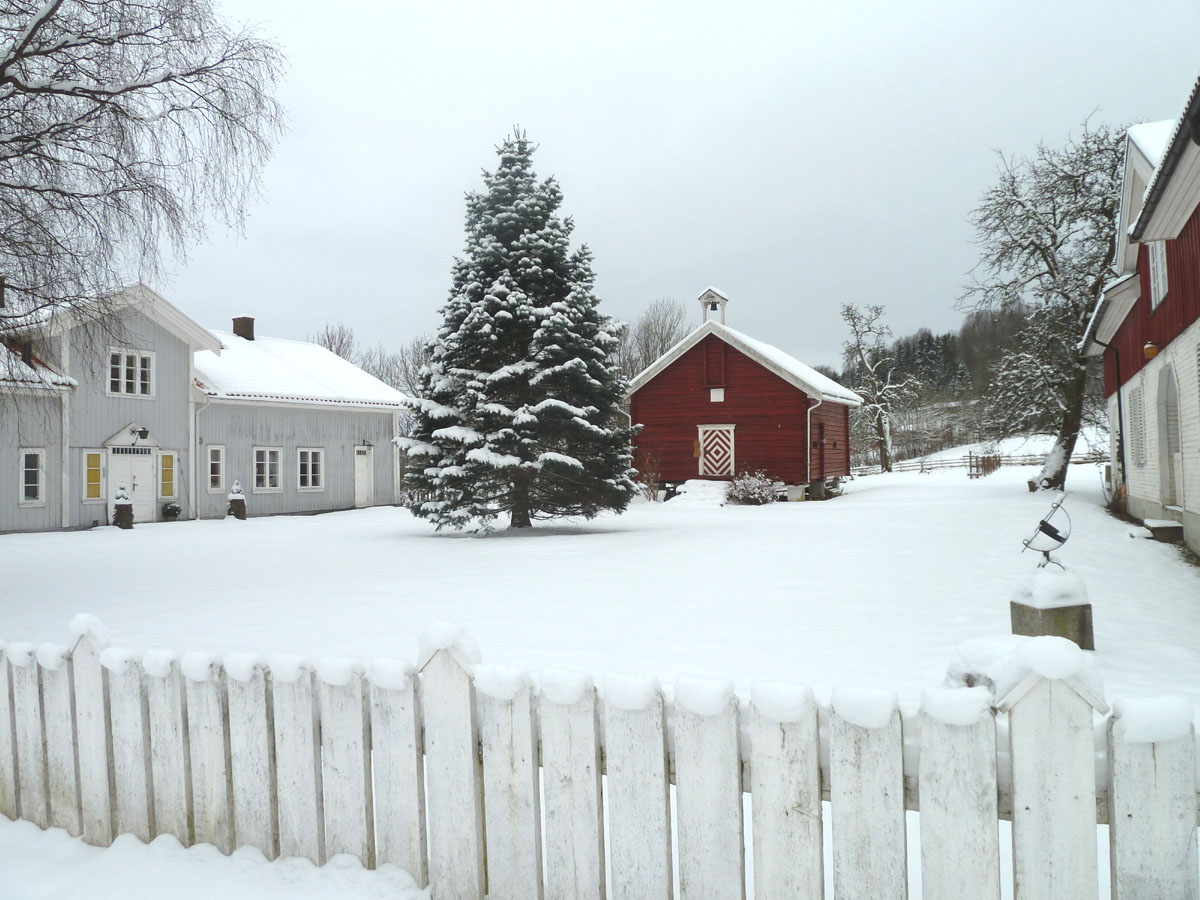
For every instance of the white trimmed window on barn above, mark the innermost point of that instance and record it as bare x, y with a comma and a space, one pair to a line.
310, 469
33, 476
1157, 252
216, 468
130, 373
166, 476
1137, 425
266, 469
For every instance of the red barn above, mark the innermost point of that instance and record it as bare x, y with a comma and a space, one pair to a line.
720, 403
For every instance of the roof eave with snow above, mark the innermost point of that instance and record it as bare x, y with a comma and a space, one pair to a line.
1116, 301
1174, 190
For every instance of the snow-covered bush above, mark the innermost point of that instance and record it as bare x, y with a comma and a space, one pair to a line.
751, 488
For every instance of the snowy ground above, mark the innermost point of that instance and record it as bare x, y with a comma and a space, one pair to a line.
874, 588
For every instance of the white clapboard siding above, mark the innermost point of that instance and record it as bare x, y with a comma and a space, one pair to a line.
571, 785
638, 801
1152, 815
128, 703
708, 792
346, 763
32, 786
252, 761
866, 771
58, 709
453, 779
8, 742
94, 742
785, 796
170, 759
399, 766
512, 813
208, 744
960, 850
1054, 793
298, 762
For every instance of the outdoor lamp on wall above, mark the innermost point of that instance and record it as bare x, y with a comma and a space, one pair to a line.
1150, 350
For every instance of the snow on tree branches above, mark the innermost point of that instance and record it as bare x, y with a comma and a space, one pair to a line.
519, 401
871, 370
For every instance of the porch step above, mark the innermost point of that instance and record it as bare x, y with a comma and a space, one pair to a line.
1166, 530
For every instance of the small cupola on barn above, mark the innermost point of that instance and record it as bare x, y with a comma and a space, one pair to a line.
712, 301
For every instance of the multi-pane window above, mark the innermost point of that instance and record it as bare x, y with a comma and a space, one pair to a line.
131, 372
1157, 251
266, 468
93, 475
33, 477
166, 476
310, 468
216, 468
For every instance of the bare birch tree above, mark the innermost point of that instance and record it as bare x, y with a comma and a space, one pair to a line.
869, 367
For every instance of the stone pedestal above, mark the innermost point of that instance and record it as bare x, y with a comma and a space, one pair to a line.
237, 506
123, 515
1071, 622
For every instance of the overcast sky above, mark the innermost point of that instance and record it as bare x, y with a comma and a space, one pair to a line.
795, 155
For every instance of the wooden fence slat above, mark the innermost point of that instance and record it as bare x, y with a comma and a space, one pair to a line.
32, 788
399, 765
960, 849
866, 770
511, 803
453, 779
58, 708
639, 801
346, 763
708, 791
170, 755
129, 714
297, 760
252, 756
94, 741
571, 783
1152, 801
208, 748
8, 741
785, 793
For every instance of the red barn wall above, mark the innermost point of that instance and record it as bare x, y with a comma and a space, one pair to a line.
770, 415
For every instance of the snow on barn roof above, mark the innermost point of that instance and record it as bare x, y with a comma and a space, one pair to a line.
1152, 139
16, 373
278, 370
782, 364
1173, 152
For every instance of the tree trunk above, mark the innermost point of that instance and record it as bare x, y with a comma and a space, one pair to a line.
883, 429
1054, 471
519, 519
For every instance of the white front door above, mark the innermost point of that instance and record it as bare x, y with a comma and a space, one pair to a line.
364, 477
133, 469
716, 451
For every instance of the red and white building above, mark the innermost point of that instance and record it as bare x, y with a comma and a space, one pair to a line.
1147, 324
720, 403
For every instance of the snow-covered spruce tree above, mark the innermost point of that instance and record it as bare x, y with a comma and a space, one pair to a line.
519, 403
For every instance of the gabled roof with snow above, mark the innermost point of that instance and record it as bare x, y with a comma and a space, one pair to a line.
1152, 139
786, 366
16, 374
282, 371
1174, 188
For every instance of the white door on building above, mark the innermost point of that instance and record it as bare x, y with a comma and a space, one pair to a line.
364, 477
133, 469
716, 451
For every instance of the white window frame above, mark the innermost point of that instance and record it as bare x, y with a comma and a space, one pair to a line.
1157, 253
219, 449
278, 451
716, 395
41, 482
174, 475
103, 475
140, 356
319, 484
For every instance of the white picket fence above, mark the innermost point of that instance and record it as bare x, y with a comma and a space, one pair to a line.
474, 781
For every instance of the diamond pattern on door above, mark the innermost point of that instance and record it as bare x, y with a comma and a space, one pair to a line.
716, 452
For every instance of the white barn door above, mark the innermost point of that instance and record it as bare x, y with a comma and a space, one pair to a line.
364, 477
716, 451
133, 468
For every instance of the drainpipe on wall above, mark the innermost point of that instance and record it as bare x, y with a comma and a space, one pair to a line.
1120, 414
808, 440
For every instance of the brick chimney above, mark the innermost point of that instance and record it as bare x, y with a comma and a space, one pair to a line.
243, 327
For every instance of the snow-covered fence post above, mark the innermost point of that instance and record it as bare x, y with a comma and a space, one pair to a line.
571, 782
92, 730
708, 791
453, 774
170, 755
346, 760
785, 792
511, 802
866, 773
960, 850
297, 760
59, 722
399, 765
129, 715
8, 740
1053, 773
208, 744
1152, 800
639, 799
252, 754
32, 789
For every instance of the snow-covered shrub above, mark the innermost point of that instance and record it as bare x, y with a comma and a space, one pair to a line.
751, 488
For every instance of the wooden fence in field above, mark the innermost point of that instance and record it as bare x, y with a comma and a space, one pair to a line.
964, 462
473, 781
